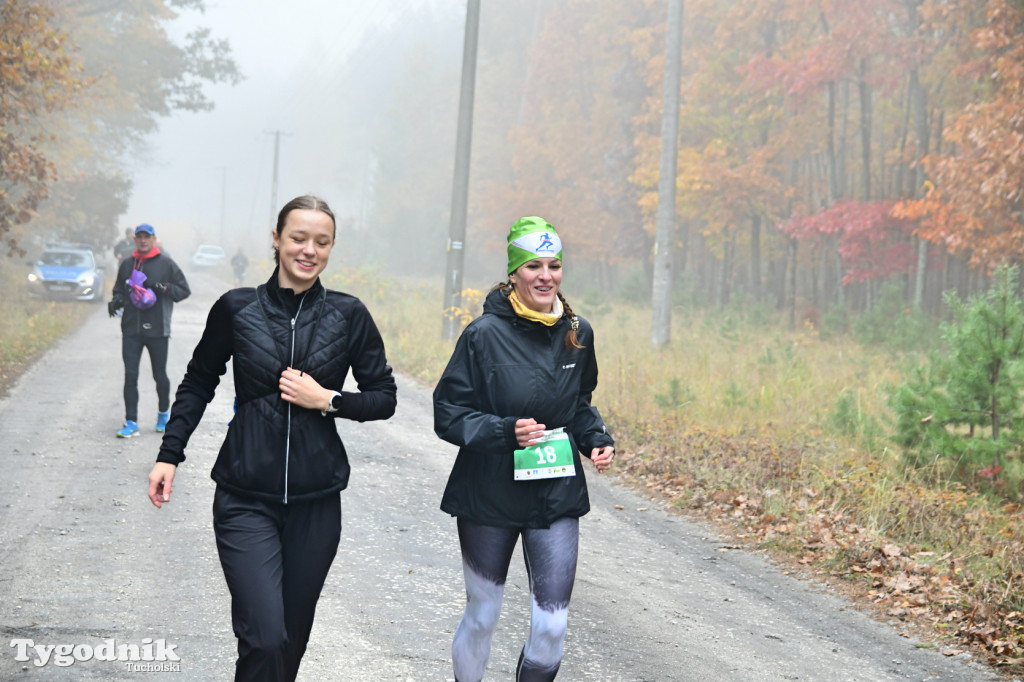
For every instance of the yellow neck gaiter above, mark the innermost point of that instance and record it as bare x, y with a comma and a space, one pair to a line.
522, 311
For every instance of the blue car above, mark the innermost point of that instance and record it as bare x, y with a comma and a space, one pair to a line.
67, 272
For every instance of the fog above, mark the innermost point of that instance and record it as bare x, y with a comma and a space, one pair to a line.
356, 102
360, 101
317, 79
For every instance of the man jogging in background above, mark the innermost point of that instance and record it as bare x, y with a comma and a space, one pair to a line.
239, 263
147, 286
124, 248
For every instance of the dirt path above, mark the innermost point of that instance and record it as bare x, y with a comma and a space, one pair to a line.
84, 558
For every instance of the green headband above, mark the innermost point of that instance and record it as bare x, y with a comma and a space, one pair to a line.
530, 238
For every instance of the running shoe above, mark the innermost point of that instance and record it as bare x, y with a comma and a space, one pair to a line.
129, 429
161, 421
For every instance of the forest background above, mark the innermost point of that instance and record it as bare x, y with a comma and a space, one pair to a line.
841, 164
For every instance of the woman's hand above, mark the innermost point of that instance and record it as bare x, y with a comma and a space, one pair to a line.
528, 432
160, 479
602, 457
303, 390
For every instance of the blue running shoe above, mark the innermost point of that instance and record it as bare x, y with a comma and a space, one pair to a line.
129, 429
161, 421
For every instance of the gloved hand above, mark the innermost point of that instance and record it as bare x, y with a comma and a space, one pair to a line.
158, 287
112, 308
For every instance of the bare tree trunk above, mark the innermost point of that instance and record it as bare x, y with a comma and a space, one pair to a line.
865, 131
840, 287
815, 287
919, 99
843, 182
901, 167
793, 246
755, 258
725, 289
833, 162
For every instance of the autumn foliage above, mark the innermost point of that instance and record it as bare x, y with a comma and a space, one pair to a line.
974, 204
38, 75
873, 245
81, 84
801, 123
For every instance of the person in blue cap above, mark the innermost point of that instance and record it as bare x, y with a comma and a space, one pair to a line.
147, 286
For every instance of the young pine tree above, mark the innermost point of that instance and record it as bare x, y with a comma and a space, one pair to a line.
964, 404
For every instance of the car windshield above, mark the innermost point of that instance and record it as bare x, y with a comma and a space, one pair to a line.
65, 258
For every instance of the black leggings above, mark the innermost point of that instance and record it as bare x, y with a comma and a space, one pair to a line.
131, 353
550, 555
275, 559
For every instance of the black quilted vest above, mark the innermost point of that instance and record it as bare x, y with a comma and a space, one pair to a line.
275, 450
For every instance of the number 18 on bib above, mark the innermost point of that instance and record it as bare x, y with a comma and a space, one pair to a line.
549, 457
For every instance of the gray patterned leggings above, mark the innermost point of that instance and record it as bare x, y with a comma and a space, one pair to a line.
550, 555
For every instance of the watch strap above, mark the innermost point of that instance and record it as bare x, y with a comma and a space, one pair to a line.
334, 405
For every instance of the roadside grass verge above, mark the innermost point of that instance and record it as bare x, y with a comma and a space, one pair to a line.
780, 437
30, 326
408, 314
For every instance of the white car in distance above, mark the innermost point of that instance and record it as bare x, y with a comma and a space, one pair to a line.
207, 255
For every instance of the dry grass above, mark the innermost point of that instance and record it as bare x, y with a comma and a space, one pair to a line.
781, 436
408, 315
28, 327
733, 377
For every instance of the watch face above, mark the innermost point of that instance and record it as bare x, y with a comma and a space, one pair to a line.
336, 401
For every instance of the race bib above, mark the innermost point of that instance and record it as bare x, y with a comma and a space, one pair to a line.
549, 457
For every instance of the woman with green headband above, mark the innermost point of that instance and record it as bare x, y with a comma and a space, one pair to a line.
515, 398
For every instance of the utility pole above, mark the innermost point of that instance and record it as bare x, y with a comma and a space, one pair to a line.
661, 290
273, 183
223, 194
460, 183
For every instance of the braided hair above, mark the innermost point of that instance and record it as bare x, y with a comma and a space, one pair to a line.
571, 339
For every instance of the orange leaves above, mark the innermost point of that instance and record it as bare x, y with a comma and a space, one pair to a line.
975, 207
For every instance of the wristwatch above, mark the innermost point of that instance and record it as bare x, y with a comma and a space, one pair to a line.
334, 405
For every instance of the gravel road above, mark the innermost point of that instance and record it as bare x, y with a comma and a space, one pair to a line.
84, 557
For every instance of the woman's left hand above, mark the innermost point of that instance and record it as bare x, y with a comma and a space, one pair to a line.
602, 457
300, 389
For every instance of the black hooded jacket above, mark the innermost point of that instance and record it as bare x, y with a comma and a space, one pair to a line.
153, 322
506, 368
275, 450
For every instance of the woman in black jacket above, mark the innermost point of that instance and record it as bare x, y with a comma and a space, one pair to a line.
515, 398
277, 508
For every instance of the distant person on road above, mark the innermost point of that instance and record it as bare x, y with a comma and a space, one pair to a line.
147, 286
239, 263
515, 398
124, 248
277, 507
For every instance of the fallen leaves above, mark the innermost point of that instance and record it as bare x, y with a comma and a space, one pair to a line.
828, 523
